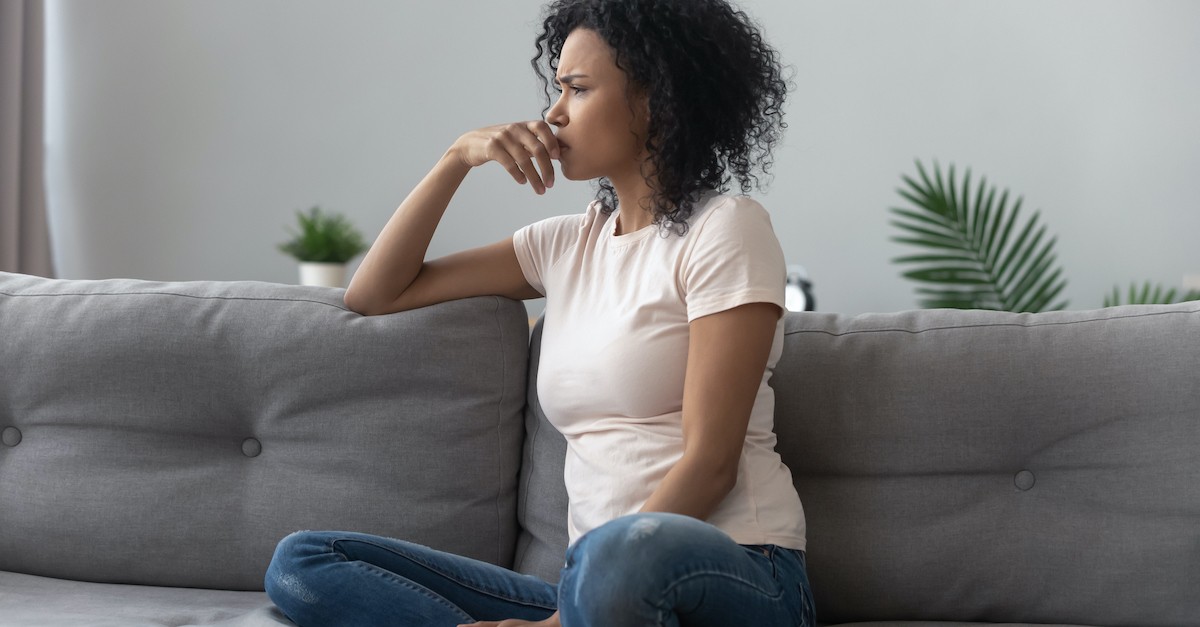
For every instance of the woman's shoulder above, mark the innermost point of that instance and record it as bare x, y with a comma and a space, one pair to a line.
571, 222
726, 211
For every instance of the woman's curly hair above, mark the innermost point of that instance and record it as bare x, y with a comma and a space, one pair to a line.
715, 90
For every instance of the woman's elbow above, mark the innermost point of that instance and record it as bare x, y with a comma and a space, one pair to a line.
360, 304
718, 472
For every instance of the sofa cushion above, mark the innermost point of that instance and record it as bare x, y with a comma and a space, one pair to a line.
967, 466
171, 433
987, 466
28, 600
542, 495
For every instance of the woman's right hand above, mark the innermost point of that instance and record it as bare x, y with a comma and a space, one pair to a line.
515, 146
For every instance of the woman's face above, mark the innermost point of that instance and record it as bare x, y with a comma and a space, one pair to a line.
599, 133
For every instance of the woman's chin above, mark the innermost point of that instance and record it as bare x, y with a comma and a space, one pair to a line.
571, 174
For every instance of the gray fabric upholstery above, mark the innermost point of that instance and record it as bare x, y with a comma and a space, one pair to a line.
957, 468
542, 504
172, 433
27, 600
976, 466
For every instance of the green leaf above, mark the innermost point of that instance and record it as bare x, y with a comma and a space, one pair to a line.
998, 236
961, 276
1048, 293
1143, 297
965, 218
967, 298
918, 197
1037, 267
929, 188
967, 229
1150, 294
324, 238
925, 218
952, 198
1017, 254
979, 232
958, 258
1037, 292
929, 243
941, 200
1114, 299
950, 237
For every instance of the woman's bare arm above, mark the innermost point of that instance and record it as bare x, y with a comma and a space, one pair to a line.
394, 275
727, 355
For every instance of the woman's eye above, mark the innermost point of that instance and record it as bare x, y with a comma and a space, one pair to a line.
575, 90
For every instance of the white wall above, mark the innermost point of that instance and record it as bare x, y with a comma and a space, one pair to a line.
183, 135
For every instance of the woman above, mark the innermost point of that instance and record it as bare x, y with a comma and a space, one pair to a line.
663, 320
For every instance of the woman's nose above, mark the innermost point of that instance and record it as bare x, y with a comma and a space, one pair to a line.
557, 114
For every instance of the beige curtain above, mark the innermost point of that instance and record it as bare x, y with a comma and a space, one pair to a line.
24, 231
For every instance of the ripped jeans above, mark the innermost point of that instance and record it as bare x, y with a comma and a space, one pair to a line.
638, 570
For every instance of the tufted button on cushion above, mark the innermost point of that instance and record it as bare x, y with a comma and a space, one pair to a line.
1024, 480
251, 447
11, 436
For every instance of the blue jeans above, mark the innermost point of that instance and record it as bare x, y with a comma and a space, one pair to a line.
643, 569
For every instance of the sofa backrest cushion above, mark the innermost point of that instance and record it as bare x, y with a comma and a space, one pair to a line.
975, 466
998, 467
542, 496
172, 433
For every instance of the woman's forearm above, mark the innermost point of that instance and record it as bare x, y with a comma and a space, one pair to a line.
397, 255
691, 488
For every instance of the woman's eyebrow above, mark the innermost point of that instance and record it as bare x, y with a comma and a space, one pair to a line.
570, 77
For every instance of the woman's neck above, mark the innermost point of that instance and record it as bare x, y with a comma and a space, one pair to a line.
634, 196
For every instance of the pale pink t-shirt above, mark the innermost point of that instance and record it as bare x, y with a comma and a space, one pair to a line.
614, 351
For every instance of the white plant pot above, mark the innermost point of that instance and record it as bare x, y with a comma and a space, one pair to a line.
322, 274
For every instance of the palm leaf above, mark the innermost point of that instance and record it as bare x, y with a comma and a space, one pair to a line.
979, 254
1149, 295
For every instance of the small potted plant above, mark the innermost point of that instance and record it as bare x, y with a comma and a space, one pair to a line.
325, 242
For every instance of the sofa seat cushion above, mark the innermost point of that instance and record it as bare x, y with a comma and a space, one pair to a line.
46, 602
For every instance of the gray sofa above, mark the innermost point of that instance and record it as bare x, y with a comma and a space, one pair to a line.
955, 467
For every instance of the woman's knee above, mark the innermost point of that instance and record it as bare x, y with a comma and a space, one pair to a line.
285, 581
630, 556
650, 537
297, 546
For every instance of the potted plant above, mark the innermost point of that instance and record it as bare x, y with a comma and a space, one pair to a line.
323, 245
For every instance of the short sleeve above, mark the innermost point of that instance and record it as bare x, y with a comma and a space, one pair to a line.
735, 260
539, 245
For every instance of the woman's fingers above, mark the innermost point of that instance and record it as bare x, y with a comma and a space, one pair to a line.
524, 149
547, 149
501, 155
546, 136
